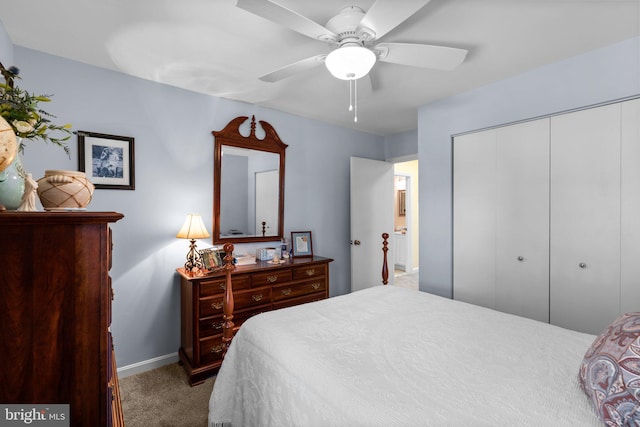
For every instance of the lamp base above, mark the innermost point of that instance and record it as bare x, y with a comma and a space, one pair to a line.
194, 259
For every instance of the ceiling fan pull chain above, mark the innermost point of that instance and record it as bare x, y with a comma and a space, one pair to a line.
355, 101
353, 96
350, 95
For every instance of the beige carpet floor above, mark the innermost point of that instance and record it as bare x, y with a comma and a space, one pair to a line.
163, 397
406, 280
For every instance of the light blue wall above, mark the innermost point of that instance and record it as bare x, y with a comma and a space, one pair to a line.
599, 76
6, 47
174, 176
402, 146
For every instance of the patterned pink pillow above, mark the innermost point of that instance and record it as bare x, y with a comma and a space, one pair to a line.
610, 372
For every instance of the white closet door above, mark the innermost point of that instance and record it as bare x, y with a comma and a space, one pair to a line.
474, 210
585, 219
522, 220
630, 206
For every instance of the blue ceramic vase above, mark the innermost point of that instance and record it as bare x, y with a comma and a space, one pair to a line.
12, 184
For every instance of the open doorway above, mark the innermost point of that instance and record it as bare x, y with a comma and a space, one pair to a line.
405, 237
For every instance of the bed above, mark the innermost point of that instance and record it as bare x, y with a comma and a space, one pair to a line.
389, 356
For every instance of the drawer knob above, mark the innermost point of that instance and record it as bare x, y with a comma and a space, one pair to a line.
582, 265
315, 285
272, 279
286, 291
223, 286
256, 297
217, 348
310, 272
216, 325
216, 305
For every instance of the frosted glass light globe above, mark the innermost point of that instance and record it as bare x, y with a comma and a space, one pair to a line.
350, 62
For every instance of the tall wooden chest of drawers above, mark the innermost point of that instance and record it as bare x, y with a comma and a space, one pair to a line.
256, 288
55, 312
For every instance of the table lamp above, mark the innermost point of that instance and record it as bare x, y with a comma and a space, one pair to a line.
193, 228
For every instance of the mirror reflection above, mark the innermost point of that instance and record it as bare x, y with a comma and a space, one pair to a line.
248, 183
249, 192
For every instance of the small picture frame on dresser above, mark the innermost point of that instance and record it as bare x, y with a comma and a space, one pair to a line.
301, 245
210, 258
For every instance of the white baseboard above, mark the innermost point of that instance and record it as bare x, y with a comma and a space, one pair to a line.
147, 365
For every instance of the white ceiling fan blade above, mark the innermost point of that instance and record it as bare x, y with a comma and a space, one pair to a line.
286, 17
421, 55
384, 15
295, 68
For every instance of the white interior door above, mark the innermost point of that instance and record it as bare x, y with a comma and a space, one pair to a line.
585, 219
522, 220
501, 219
474, 218
371, 215
267, 185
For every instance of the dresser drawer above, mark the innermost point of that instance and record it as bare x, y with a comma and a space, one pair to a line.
241, 300
213, 325
218, 285
211, 306
211, 332
252, 298
292, 291
290, 302
211, 349
306, 272
271, 278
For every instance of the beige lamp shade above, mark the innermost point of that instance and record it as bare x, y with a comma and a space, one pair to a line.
193, 228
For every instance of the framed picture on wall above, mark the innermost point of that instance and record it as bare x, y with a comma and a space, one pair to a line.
107, 160
402, 202
301, 244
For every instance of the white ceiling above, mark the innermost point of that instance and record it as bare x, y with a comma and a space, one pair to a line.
211, 46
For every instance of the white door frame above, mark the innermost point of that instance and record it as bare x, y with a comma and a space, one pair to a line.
408, 265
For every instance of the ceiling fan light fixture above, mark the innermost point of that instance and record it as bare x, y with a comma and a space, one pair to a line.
350, 62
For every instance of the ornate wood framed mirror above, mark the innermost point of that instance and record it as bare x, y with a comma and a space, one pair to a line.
248, 184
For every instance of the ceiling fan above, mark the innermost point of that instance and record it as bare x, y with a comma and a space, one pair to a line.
355, 33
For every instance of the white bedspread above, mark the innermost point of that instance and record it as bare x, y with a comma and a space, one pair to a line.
389, 356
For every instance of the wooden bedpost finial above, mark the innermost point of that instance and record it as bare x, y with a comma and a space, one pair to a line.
228, 256
385, 265
227, 302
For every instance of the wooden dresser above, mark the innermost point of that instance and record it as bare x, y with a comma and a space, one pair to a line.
55, 312
256, 288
